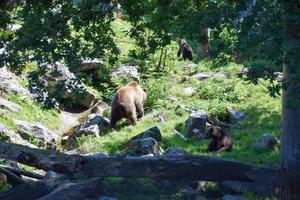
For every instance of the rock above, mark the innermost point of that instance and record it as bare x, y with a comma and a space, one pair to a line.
196, 123
3, 179
5, 104
90, 65
242, 72
9, 84
279, 76
206, 75
176, 151
190, 66
143, 146
234, 197
189, 91
244, 187
106, 198
266, 142
10, 136
57, 84
144, 143
153, 132
235, 116
43, 135
127, 72
99, 108
92, 126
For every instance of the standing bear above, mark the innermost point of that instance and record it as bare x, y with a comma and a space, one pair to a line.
185, 50
128, 103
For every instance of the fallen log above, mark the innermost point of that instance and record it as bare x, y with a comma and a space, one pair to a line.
23, 172
169, 167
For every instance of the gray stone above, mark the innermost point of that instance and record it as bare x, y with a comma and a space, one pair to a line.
196, 123
8, 105
176, 151
233, 197
28, 130
190, 66
189, 91
153, 132
58, 84
279, 76
9, 84
90, 64
10, 136
92, 126
242, 72
127, 72
144, 146
266, 142
206, 75
235, 116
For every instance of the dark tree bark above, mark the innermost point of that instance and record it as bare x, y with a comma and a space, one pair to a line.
290, 136
203, 46
185, 167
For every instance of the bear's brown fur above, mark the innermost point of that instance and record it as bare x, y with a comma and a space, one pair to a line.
128, 103
220, 141
185, 50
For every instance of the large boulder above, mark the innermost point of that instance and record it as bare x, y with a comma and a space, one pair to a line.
235, 116
140, 147
55, 83
144, 143
10, 136
93, 126
196, 124
126, 72
9, 84
189, 91
206, 75
153, 132
91, 66
266, 142
45, 137
8, 105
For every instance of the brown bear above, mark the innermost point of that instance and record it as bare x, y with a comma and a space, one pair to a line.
185, 49
128, 103
219, 140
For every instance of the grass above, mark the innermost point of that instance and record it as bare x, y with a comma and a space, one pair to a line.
30, 112
262, 115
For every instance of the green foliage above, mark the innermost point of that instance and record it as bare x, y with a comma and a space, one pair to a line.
5, 187
64, 31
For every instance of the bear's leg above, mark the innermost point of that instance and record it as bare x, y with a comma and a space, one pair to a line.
139, 110
132, 118
115, 117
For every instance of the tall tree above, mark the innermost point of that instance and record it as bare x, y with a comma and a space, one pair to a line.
290, 137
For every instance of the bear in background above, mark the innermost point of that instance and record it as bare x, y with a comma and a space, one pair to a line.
185, 50
219, 140
128, 103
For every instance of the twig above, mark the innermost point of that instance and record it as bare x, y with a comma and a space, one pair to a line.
180, 135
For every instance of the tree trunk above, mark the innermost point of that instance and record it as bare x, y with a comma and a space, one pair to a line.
290, 136
185, 167
203, 46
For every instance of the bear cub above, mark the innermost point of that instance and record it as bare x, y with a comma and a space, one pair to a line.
128, 103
